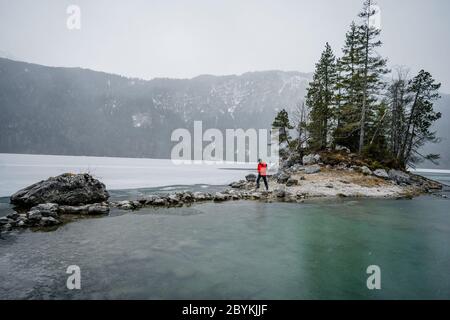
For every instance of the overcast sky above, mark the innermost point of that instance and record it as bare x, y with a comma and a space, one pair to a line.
185, 38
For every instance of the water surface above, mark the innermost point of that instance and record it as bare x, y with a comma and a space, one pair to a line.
239, 250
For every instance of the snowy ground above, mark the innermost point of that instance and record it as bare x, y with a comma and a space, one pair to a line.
18, 171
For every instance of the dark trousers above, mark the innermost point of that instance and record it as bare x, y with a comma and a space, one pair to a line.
265, 181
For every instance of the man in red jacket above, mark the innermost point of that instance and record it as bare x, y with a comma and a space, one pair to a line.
262, 173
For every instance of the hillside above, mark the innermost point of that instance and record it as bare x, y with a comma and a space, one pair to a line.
72, 111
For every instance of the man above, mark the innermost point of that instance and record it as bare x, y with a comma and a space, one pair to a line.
262, 173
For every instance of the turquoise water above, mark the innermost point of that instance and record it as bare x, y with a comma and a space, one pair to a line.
239, 250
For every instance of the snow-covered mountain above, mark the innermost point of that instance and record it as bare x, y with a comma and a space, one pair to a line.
72, 111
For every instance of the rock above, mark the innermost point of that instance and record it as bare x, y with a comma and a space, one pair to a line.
219, 197
283, 178
199, 196
98, 209
5, 221
342, 148
49, 221
399, 176
381, 173
47, 209
292, 182
280, 192
297, 167
187, 196
238, 185
66, 189
173, 199
159, 202
312, 169
7, 227
148, 200
74, 209
366, 171
293, 159
311, 159
256, 195
34, 216
250, 178
13, 216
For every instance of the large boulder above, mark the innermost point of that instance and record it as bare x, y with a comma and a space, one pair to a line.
66, 189
312, 169
250, 177
283, 177
381, 173
399, 176
365, 170
311, 159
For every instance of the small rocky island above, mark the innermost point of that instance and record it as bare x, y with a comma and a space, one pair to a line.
60, 199
50, 202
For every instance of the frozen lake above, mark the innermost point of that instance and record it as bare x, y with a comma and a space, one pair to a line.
19, 170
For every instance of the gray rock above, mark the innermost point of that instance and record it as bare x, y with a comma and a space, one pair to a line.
66, 189
49, 221
73, 209
342, 148
366, 171
34, 215
13, 216
283, 177
47, 209
312, 169
280, 192
292, 182
250, 177
399, 176
98, 209
174, 199
238, 184
7, 227
5, 221
256, 195
159, 202
311, 159
219, 197
199, 196
381, 173
148, 200
187, 196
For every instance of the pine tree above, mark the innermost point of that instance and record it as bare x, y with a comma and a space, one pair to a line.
398, 100
371, 69
320, 99
349, 91
423, 90
282, 123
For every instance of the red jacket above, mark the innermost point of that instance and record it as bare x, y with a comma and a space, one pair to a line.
262, 168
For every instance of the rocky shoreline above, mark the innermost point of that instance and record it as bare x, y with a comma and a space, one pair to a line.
57, 200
